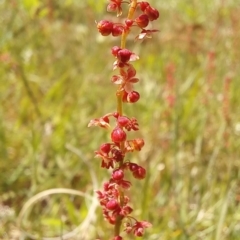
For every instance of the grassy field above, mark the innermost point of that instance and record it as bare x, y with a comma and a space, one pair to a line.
55, 72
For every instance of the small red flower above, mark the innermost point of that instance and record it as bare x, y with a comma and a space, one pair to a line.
139, 173
126, 210
126, 78
105, 27
117, 155
115, 50
123, 121
112, 7
133, 97
127, 123
101, 122
129, 23
107, 161
115, 6
143, 5
133, 167
112, 205
123, 57
118, 174
105, 148
139, 227
142, 21
153, 14
118, 135
117, 30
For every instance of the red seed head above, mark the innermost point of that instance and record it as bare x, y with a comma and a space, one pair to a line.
105, 148
133, 97
142, 21
124, 55
112, 7
126, 210
118, 174
133, 167
117, 155
143, 5
106, 186
139, 173
129, 22
116, 114
117, 30
118, 135
105, 27
115, 50
152, 13
112, 204
123, 121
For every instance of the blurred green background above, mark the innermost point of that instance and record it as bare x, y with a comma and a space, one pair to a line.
55, 72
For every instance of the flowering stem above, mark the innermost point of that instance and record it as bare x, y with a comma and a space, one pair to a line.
132, 9
130, 16
114, 201
123, 45
117, 226
119, 102
125, 33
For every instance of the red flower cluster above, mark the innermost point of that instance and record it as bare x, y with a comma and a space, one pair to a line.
114, 201
106, 28
116, 206
149, 14
115, 6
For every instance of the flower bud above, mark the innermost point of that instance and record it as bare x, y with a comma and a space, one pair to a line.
139, 173
112, 7
152, 13
123, 121
115, 50
106, 186
116, 114
129, 22
133, 97
124, 55
117, 155
126, 210
105, 27
105, 148
118, 174
112, 204
117, 30
133, 167
118, 135
142, 21
143, 5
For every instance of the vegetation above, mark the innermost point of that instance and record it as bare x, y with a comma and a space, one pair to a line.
51, 62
